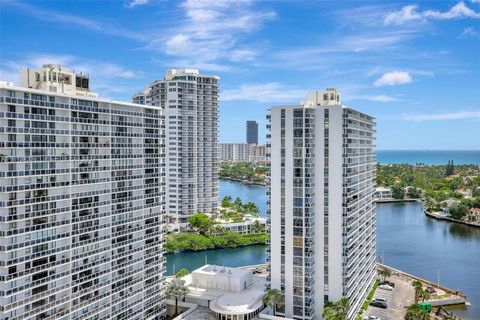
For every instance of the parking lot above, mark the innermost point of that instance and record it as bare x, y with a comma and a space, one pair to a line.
398, 300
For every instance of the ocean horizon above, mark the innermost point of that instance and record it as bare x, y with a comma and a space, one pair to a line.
428, 157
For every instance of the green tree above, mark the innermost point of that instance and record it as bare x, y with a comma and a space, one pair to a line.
176, 289
182, 273
238, 204
384, 274
226, 202
417, 285
336, 310
450, 169
274, 299
425, 295
200, 222
251, 208
257, 227
397, 192
458, 211
414, 193
415, 313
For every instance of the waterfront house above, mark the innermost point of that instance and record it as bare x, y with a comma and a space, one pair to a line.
382, 193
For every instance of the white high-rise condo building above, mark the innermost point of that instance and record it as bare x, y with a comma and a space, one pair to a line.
235, 151
81, 202
190, 104
322, 214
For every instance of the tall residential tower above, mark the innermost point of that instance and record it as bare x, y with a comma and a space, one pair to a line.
190, 104
81, 202
252, 132
322, 214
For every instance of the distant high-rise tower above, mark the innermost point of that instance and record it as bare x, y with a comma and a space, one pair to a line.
189, 102
81, 202
322, 214
252, 132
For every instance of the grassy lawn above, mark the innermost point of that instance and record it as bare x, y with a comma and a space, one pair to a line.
369, 298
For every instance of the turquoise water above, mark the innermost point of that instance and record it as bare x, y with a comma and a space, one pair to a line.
407, 239
429, 157
256, 194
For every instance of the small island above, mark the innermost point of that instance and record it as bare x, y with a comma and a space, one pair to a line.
237, 225
245, 172
448, 192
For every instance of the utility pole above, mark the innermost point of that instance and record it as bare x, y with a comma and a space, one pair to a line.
438, 279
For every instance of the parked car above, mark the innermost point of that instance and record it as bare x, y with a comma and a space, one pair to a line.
379, 303
386, 287
391, 284
430, 289
257, 270
371, 318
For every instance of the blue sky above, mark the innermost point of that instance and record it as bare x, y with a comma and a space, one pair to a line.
415, 65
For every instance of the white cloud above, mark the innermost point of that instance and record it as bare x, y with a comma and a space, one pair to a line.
378, 98
53, 16
444, 116
264, 93
243, 55
470, 32
409, 14
406, 14
178, 45
393, 78
211, 31
340, 50
134, 3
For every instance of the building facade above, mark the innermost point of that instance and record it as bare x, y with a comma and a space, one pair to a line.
190, 105
258, 153
228, 293
56, 78
383, 193
235, 152
322, 215
139, 98
232, 152
252, 132
81, 206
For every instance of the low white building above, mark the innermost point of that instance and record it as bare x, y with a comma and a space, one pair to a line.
230, 293
223, 278
383, 194
246, 227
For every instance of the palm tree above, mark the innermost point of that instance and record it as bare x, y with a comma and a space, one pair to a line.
384, 274
418, 289
274, 298
424, 295
336, 310
251, 208
176, 289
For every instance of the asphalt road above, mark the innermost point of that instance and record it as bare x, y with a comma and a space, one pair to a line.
398, 301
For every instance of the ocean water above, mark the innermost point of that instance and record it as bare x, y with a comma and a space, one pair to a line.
428, 157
